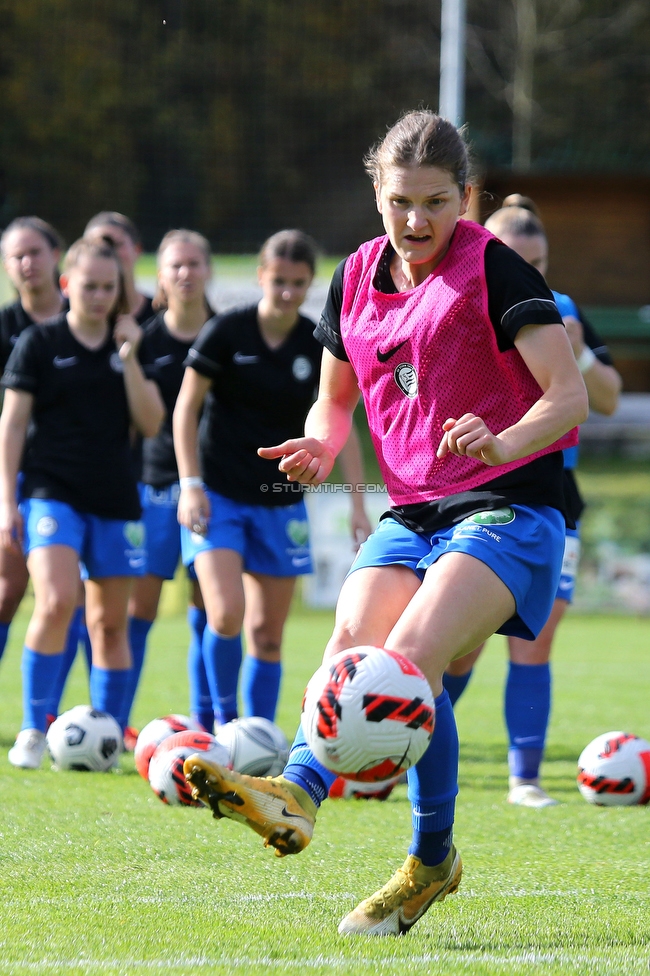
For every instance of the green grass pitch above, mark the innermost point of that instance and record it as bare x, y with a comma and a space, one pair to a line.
98, 877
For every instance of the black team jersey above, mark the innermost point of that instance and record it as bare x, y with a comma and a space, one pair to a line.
259, 397
167, 356
14, 320
77, 448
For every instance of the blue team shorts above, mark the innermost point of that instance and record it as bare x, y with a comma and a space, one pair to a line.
521, 544
106, 547
159, 514
271, 541
570, 562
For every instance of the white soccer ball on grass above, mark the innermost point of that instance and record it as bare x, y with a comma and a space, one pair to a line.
85, 739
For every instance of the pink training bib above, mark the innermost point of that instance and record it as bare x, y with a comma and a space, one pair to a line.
431, 353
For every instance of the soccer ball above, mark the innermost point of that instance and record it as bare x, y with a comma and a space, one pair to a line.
255, 746
85, 739
346, 789
614, 770
166, 776
156, 732
368, 714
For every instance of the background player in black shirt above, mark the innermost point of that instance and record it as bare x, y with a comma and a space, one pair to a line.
528, 685
183, 309
31, 250
253, 372
123, 234
72, 390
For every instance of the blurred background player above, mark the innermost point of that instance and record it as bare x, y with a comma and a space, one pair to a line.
528, 684
432, 321
31, 251
182, 310
253, 372
123, 234
72, 390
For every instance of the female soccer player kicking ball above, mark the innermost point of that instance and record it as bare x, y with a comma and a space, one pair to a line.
470, 386
72, 390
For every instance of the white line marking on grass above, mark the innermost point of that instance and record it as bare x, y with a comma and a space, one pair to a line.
634, 961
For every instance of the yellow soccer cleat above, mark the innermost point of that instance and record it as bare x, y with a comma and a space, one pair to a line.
403, 901
279, 811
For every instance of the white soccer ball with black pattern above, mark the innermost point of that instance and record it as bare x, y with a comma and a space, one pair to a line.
368, 714
156, 732
614, 770
256, 746
166, 776
85, 739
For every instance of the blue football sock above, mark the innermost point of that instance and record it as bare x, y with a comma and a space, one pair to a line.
69, 655
527, 712
4, 634
305, 770
456, 684
433, 785
200, 698
108, 689
138, 633
260, 686
84, 637
39, 672
222, 659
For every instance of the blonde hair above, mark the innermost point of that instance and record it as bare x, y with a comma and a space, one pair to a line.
516, 221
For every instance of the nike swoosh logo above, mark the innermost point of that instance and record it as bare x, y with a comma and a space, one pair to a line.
383, 357
164, 360
293, 816
243, 360
62, 361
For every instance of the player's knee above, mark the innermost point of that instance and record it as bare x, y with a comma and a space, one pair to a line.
226, 623
56, 607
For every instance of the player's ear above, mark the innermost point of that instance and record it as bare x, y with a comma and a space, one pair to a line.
260, 272
377, 189
465, 198
63, 284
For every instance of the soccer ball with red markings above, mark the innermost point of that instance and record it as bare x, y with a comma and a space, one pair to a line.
156, 732
614, 770
166, 776
368, 714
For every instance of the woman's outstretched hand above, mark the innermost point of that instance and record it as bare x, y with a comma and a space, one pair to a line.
303, 459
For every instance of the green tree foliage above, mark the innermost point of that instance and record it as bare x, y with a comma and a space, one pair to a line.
239, 116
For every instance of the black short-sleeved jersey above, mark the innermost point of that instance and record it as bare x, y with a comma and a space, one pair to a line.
167, 356
14, 320
259, 397
146, 312
77, 448
517, 296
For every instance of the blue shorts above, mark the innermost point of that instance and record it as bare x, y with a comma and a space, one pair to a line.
522, 545
106, 547
570, 562
271, 541
159, 514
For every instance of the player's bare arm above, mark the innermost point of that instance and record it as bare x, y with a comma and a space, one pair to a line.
563, 405
193, 504
16, 411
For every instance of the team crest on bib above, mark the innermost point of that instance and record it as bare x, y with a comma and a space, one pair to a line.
407, 379
134, 533
46, 526
302, 368
116, 363
298, 531
498, 516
